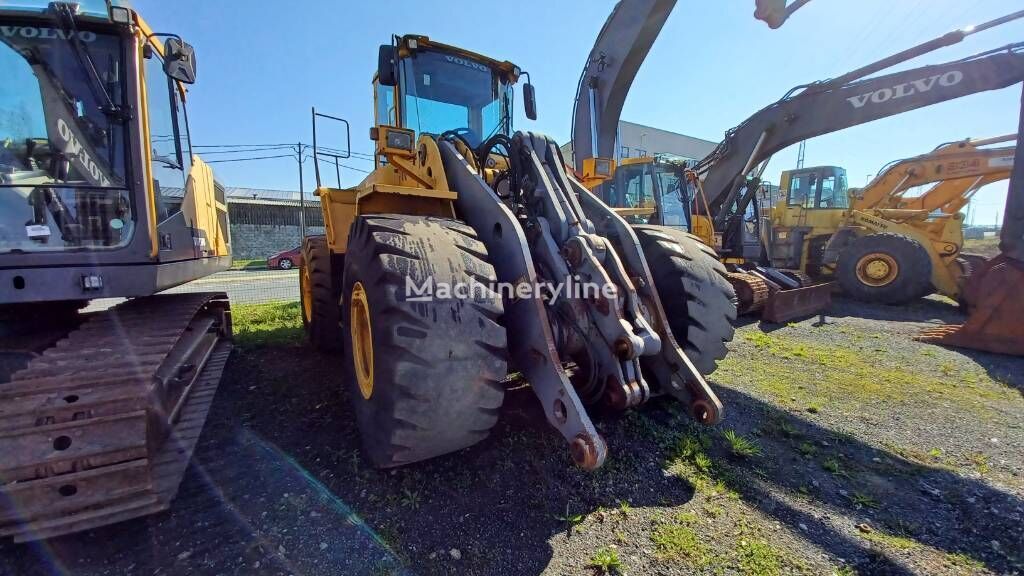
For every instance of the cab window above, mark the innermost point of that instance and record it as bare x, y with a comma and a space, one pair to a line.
166, 158
827, 197
797, 193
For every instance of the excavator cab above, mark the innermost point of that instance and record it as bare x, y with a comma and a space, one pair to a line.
648, 191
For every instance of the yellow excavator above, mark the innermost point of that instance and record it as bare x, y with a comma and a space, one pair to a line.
100, 412
880, 244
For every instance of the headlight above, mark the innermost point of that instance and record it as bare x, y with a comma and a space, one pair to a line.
400, 139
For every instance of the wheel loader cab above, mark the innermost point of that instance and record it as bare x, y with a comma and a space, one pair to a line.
433, 89
812, 204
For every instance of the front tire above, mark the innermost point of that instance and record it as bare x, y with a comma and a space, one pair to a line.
695, 292
885, 268
319, 293
284, 264
425, 376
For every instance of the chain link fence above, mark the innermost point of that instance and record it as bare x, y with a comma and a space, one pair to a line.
266, 241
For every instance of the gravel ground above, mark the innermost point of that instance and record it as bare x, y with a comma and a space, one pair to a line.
847, 448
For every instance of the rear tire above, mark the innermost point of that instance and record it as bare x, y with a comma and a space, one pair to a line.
885, 268
695, 292
425, 376
319, 295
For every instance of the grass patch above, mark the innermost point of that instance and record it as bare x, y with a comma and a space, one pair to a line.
961, 560
779, 365
758, 558
606, 561
674, 541
740, 445
259, 325
240, 264
890, 540
864, 500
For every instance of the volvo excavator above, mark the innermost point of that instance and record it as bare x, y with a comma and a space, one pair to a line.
99, 412
881, 244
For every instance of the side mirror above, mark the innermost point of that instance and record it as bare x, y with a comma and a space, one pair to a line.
530, 101
180, 60
386, 66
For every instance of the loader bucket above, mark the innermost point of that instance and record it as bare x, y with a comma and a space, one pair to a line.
996, 309
785, 305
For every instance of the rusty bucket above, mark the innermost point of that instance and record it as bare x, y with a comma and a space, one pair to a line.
995, 321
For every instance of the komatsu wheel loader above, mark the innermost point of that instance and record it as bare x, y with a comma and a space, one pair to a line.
470, 257
880, 244
99, 413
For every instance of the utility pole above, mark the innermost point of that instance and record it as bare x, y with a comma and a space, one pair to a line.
302, 197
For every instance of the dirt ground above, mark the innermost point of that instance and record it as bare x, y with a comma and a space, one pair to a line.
847, 448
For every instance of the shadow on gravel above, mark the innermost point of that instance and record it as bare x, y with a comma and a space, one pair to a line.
905, 504
924, 310
929, 310
278, 486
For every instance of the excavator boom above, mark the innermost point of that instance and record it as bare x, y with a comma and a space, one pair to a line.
824, 108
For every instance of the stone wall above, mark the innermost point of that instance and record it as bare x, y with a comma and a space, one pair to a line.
259, 241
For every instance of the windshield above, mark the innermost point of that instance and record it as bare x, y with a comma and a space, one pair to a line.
445, 92
62, 148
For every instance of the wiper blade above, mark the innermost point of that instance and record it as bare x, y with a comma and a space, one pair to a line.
65, 18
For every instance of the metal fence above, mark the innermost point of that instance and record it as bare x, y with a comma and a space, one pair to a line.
266, 237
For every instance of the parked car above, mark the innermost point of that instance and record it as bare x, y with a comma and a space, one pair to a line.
285, 260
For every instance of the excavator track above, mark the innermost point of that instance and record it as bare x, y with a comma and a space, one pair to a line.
99, 427
751, 291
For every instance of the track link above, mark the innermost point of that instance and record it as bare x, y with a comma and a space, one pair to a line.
100, 427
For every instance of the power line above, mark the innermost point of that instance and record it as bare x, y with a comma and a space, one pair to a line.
242, 150
252, 158
241, 145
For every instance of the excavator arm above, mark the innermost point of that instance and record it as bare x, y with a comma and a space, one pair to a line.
832, 106
620, 49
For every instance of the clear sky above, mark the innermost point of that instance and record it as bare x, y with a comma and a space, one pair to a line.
263, 64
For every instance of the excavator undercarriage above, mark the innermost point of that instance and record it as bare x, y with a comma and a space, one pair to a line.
99, 426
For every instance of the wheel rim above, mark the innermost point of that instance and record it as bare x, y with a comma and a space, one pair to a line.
285, 264
877, 269
307, 293
362, 339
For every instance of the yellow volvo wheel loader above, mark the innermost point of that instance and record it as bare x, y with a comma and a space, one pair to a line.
880, 244
470, 257
101, 197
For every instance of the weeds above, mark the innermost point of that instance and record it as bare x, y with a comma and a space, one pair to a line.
741, 446
758, 558
863, 500
807, 449
980, 462
606, 561
832, 466
676, 541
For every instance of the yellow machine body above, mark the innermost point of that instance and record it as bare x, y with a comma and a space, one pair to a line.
807, 217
